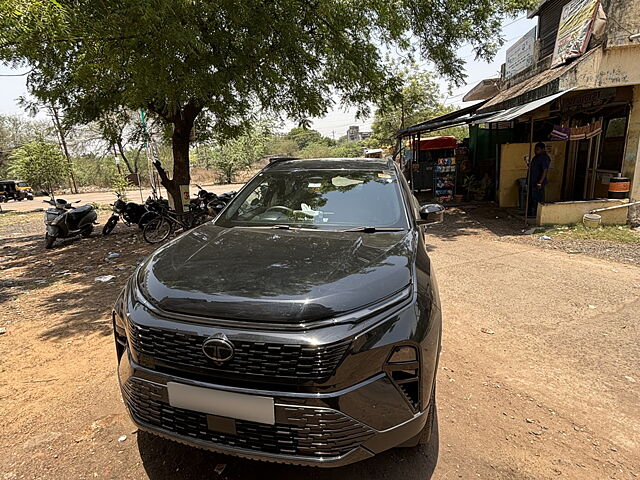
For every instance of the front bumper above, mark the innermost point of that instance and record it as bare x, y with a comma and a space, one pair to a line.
325, 430
341, 392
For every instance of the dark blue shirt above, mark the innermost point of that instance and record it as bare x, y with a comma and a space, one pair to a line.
539, 164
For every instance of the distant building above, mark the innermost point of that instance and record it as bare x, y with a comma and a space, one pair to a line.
355, 135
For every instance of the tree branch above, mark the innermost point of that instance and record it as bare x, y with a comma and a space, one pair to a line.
162, 172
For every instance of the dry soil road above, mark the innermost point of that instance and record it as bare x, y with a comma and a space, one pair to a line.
538, 377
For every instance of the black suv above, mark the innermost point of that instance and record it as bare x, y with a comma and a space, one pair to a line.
302, 325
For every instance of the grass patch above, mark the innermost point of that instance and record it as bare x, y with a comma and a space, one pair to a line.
19, 218
612, 233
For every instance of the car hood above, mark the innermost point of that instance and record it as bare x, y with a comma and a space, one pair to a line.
275, 276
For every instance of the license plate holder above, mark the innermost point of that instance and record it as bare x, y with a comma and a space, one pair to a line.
239, 406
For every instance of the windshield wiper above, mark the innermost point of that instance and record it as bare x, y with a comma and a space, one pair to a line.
276, 227
374, 229
267, 227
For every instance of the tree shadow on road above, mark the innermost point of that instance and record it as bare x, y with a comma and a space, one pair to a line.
60, 283
164, 459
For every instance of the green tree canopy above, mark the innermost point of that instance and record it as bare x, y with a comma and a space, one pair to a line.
304, 136
39, 163
242, 152
179, 58
418, 101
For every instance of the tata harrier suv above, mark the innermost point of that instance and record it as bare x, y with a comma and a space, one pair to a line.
302, 325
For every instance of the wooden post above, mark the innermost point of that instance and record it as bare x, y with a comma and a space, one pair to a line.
526, 203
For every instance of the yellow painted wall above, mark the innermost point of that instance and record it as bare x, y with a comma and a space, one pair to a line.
513, 166
567, 213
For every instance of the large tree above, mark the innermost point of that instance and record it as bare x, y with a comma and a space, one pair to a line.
178, 58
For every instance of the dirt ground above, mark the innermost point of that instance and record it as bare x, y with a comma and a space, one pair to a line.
538, 378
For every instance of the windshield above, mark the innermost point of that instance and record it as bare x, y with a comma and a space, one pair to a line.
322, 199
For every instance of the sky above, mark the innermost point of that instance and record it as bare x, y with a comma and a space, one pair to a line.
336, 122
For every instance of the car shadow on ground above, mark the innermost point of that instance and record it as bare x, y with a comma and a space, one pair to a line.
164, 459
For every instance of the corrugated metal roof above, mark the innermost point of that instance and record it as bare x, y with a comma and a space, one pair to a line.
484, 90
537, 82
516, 112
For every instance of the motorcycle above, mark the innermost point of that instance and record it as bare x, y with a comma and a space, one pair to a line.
65, 221
202, 200
154, 206
215, 206
130, 212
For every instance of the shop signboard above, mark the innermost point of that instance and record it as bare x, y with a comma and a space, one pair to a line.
574, 30
521, 55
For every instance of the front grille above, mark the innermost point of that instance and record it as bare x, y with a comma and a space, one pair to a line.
183, 351
305, 432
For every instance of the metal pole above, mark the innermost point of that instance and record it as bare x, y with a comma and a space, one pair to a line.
140, 187
413, 159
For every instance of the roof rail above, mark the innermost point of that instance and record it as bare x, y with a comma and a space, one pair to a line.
278, 158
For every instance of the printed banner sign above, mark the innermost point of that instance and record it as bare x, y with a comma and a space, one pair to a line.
521, 55
574, 30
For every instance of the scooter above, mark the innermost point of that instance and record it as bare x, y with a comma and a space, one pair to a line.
65, 221
130, 212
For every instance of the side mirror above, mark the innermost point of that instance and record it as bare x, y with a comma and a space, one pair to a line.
431, 213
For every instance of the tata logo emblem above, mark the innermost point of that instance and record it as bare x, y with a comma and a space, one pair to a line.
218, 348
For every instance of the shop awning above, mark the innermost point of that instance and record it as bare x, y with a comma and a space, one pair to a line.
521, 110
438, 143
464, 116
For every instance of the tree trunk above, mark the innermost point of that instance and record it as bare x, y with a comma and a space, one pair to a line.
181, 176
63, 143
182, 125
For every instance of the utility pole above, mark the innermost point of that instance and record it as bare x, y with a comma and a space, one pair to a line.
63, 143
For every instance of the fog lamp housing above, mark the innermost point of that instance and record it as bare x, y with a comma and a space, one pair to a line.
403, 368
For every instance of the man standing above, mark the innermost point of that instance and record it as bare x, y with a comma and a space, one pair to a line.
537, 178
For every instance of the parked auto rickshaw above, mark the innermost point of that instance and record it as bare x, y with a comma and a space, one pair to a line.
16, 190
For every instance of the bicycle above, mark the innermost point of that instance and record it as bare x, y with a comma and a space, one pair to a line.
161, 227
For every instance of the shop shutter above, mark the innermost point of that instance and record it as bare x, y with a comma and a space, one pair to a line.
549, 19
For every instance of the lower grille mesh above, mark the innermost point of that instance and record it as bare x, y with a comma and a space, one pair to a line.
307, 432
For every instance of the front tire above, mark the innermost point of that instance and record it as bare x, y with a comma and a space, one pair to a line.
110, 225
157, 230
146, 218
48, 241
